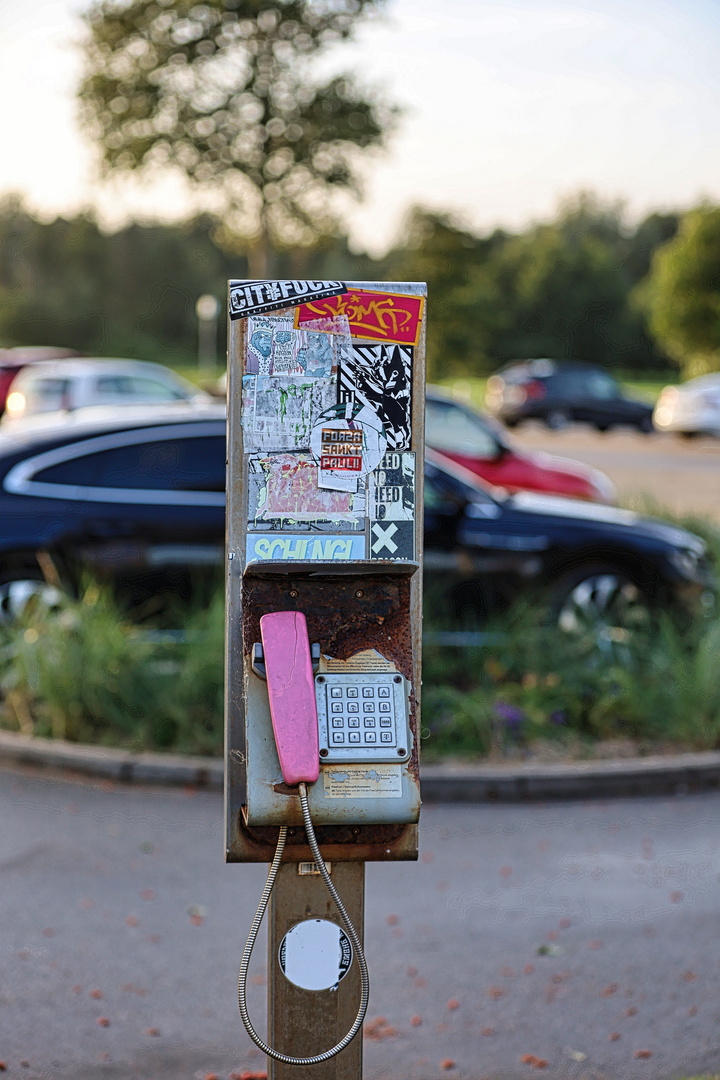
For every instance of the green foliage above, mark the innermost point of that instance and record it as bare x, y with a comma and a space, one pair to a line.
558, 289
133, 292
88, 674
224, 92
682, 292
536, 682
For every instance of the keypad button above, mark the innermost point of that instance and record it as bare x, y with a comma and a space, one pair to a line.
337, 706
385, 721
384, 706
368, 691
386, 736
338, 736
336, 691
353, 706
354, 736
352, 691
369, 721
353, 721
370, 737
383, 691
337, 721
368, 706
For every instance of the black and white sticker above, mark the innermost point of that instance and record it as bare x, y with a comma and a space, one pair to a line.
315, 954
255, 297
381, 376
392, 540
391, 495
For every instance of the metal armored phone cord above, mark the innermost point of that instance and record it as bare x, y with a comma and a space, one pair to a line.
351, 932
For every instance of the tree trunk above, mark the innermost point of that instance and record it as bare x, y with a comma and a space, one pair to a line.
259, 257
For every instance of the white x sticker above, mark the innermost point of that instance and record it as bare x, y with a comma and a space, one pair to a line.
383, 538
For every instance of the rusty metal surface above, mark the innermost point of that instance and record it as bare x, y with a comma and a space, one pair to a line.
346, 613
347, 843
302, 1022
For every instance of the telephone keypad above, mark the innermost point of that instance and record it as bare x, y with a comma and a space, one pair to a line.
384, 705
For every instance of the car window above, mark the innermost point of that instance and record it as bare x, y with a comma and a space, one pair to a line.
138, 387
42, 395
154, 390
602, 386
450, 428
584, 384
113, 386
443, 490
192, 464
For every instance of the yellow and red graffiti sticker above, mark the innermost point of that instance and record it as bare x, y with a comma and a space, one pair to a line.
374, 316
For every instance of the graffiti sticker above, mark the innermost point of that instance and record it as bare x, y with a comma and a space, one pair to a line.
283, 491
347, 443
381, 376
392, 489
263, 547
256, 297
392, 540
375, 316
274, 347
279, 413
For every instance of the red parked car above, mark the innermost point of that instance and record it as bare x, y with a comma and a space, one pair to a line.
480, 445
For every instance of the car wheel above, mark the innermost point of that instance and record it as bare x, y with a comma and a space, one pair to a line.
602, 603
646, 425
557, 419
21, 588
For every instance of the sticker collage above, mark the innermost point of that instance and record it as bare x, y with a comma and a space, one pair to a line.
327, 420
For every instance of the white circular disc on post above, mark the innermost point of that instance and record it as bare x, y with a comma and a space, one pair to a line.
315, 954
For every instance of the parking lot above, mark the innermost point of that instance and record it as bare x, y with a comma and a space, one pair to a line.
582, 934
680, 474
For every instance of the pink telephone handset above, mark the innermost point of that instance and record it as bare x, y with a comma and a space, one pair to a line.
293, 709
291, 690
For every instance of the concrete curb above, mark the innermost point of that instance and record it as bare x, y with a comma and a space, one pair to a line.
678, 774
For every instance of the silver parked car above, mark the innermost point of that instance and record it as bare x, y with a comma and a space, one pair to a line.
690, 409
74, 384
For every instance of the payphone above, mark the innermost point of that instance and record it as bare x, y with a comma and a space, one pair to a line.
325, 470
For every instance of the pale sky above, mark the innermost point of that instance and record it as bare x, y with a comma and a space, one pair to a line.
510, 106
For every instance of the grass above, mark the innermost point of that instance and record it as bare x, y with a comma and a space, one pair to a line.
87, 673
91, 672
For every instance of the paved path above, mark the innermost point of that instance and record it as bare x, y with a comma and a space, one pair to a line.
683, 475
555, 928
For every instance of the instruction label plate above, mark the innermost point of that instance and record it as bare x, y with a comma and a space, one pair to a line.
362, 781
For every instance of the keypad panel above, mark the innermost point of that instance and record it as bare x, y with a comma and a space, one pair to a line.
362, 717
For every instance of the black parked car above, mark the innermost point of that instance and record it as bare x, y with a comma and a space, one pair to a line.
135, 494
139, 496
591, 563
560, 391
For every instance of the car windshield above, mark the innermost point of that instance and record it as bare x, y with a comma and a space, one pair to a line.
443, 485
453, 429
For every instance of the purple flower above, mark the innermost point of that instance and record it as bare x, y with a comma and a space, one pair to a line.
558, 717
512, 716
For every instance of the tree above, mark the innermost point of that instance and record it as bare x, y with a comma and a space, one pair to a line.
223, 91
682, 292
466, 316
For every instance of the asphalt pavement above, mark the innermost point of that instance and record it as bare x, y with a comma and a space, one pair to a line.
580, 934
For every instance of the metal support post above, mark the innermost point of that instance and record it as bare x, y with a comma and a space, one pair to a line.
306, 1022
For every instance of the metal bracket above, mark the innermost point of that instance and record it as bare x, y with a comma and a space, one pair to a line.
258, 659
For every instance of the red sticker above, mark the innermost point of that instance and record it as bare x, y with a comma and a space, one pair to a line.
374, 316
